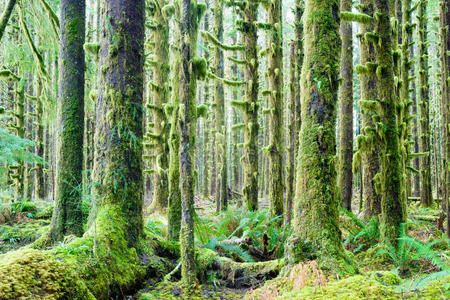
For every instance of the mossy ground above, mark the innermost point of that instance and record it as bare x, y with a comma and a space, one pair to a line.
79, 269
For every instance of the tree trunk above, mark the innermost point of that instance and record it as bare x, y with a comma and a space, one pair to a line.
250, 108
393, 206
160, 92
6, 15
187, 135
345, 174
67, 218
424, 104
276, 146
316, 202
221, 127
445, 109
370, 157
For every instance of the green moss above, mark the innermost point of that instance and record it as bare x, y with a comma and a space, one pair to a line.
12, 237
30, 274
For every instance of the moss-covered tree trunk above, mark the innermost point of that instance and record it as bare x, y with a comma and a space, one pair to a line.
368, 86
415, 126
208, 119
160, 96
276, 146
174, 214
345, 174
290, 164
392, 181
445, 102
39, 150
316, 228
221, 128
67, 217
6, 15
424, 104
247, 26
295, 107
187, 137
118, 136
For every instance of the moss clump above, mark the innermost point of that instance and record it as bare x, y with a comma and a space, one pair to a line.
46, 213
355, 287
49, 277
175, 290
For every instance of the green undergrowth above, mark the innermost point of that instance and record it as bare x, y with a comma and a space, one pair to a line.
307, 281
18, 235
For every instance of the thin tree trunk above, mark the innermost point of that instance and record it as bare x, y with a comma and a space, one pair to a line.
345, 174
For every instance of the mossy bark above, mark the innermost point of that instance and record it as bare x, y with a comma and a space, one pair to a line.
295, 107
67, 217
393, 205
221, 151
174, 214
316, 224
39, 149
415, 189
187, 138
424, 104
160, 93
118, 136
276, 146
17, 171
368, 86
445, 102
345, 155
207, 121
6, 15
250, 104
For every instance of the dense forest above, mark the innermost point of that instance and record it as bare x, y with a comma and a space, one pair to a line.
224, 149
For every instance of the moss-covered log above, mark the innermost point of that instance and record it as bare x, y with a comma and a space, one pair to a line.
345, 174
316, 229
67, 213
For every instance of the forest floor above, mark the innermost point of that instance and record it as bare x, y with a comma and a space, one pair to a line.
418, 270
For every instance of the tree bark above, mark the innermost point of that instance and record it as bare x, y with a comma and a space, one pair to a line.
67, 218
345, 174
316, 202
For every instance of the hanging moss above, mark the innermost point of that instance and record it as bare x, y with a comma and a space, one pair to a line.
160, 96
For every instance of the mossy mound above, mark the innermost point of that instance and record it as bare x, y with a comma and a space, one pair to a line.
49, 277
13, 237
176, 290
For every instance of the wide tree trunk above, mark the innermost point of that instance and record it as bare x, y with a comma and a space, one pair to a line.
316, 206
